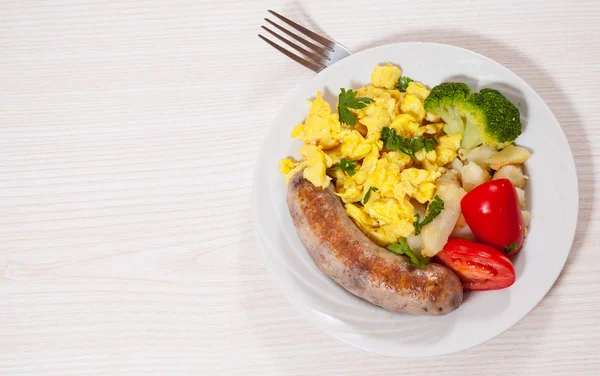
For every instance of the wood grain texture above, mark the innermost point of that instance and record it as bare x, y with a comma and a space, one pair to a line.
128, 135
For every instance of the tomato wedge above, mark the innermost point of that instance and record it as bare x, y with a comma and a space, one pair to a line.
493, 213
479, 267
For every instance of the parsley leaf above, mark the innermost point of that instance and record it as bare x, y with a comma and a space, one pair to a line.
510, 248
368, 194
396, 142
346, 100
430, 144
435, 208
402, 248
417, 144
403, 83
347, 166
407, 146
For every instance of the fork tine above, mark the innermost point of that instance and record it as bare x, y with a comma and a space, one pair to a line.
322, 50
309, 64
324, 41
316, 58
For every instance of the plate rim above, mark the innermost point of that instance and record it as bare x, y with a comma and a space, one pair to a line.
298, 306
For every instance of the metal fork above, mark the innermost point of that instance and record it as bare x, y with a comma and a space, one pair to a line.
315, 56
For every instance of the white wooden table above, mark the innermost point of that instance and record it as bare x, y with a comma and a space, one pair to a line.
128, 135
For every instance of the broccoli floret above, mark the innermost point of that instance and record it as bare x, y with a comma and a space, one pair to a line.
484, 117
490, 118
445, 100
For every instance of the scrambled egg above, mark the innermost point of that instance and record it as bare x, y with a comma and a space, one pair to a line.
380, 113
386, 76
321, 126
405, 125
447, 148
418, 184
412, 105
392, 180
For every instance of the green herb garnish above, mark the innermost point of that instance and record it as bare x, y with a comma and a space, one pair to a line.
349, 167
510, 248
407, 146
435, 208
403, 83
346, 100
402, 248
368, 194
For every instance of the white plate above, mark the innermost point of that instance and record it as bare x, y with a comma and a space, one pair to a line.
552, 199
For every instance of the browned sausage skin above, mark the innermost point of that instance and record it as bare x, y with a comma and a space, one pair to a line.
345, 254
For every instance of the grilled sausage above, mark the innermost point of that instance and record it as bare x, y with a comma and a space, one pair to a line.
341, 251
